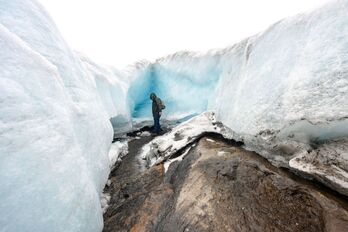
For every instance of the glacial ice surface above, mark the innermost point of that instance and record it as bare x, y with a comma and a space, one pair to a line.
184, 81
54, 127
292, 78
112, 87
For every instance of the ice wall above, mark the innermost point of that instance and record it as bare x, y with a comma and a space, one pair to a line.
54, 127
289, 82
184, 81
112, 87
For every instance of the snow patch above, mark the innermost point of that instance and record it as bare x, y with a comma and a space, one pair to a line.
163, 147
117, 151
327, 163
144, 134
104, 201
168, 162
221, 153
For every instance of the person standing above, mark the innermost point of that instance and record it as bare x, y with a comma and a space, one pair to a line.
157, 107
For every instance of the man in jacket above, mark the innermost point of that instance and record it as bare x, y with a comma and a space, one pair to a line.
157, 107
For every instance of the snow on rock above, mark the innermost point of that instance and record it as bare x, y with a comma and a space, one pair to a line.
163, 147
328, 163
145, 134
54, 128
104, 201
117, 151
168, 162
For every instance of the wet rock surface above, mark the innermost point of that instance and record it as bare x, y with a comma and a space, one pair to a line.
136, 193
218, 186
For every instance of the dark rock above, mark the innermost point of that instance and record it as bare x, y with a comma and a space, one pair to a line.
221, 187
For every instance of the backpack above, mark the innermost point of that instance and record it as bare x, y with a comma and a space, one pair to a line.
160, 104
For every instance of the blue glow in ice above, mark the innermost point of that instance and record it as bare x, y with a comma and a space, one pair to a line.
184, 89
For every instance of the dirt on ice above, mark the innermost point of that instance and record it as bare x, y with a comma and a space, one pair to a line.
218, 186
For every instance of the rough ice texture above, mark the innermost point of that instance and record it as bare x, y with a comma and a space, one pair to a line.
290, 80
112, 87
54, 127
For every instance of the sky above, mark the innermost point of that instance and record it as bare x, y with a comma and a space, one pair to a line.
121, 32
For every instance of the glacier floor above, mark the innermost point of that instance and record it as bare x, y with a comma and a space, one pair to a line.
213, 184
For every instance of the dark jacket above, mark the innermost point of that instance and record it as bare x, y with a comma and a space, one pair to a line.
156, 104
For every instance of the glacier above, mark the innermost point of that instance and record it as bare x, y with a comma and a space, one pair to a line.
282, 92
54, 127
112, 87
290, 79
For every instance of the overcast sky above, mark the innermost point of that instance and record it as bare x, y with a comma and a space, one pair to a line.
120, 32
